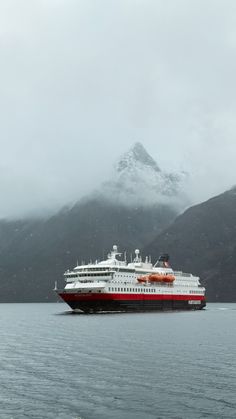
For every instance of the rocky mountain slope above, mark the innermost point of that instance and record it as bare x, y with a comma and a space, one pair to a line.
35, 253
203, 241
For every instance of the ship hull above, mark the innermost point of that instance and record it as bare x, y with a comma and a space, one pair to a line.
90, 303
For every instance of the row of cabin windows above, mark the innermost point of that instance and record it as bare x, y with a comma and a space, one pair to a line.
91, 269
160, 284
132, 289
194, 292
82, 274
107, 269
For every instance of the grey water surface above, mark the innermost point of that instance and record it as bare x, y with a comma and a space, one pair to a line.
56, 365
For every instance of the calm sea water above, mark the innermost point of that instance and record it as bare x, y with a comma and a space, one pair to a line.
132, 366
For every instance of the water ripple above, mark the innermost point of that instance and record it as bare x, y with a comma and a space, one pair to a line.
133, 366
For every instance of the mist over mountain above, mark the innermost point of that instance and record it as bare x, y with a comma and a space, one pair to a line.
138, 207
137, 180
202, 240
34, 253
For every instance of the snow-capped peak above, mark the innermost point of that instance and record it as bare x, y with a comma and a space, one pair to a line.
137, 154
137, 180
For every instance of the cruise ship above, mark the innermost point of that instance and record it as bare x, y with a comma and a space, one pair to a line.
114, 285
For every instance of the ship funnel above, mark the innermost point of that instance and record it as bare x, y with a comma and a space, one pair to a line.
164, 257
163, 261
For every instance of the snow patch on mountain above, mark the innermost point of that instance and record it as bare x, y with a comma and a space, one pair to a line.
137, 180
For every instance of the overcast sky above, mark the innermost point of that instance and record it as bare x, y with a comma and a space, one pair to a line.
82, 80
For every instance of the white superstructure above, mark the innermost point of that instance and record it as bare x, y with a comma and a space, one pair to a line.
115, 279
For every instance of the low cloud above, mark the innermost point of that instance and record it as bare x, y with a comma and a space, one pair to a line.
82, 81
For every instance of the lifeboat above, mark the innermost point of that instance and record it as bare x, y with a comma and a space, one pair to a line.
156, 277
169, 278
143, 279
161, 278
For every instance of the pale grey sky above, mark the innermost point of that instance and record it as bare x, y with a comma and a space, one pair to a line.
82, 80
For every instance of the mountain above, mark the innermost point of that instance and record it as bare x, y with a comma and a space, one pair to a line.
138, 180
35, 253
203, 241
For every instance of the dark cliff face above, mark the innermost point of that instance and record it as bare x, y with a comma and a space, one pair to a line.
203, 241
34, 254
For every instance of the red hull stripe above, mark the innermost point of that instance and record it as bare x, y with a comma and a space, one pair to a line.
128, 297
